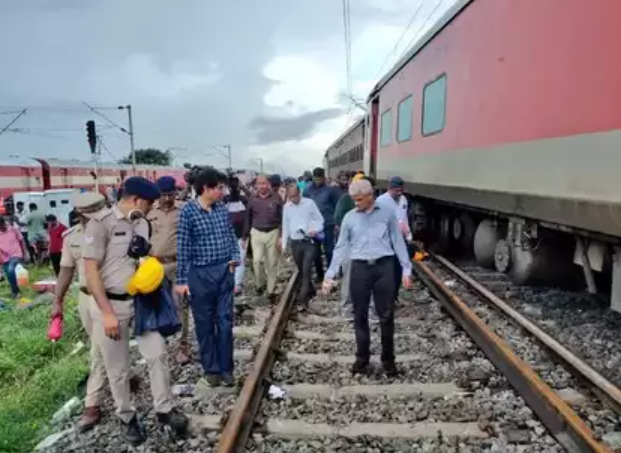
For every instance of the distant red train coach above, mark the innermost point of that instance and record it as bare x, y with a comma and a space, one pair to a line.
38, 175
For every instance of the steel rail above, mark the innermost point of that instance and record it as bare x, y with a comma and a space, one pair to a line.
241, 420
592, 376
562, 422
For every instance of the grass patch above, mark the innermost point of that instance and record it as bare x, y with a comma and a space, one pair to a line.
36, 375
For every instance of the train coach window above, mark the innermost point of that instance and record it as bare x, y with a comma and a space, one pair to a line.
385, 128
434, 106
52, 203
64, 201
404, 120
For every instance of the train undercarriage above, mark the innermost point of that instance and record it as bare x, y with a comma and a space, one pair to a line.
527, 251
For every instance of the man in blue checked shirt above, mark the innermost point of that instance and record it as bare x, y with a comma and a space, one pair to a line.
207, 254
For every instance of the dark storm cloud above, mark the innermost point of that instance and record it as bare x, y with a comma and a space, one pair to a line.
281, 129
192, 69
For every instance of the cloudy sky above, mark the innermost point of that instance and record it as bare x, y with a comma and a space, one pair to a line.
267, 77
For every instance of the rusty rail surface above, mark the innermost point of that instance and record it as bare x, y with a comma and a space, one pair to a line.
611, 391
562, 422
241, 420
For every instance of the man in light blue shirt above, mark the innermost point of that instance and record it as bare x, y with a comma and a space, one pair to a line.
371, 237
302, 226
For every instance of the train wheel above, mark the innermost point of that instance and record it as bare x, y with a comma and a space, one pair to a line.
464, 229
484, 244
502, 256
445, 234
523, 267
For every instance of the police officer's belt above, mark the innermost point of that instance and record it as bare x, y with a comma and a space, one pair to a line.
113, 296
110, 296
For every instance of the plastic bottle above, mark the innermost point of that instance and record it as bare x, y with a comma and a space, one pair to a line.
21, 273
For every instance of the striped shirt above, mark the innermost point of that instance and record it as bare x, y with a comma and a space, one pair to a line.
204, 238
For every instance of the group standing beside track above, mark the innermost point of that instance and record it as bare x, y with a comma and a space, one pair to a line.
201, 245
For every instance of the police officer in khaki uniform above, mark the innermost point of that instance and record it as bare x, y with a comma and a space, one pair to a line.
164, 219
108, 270
86, 204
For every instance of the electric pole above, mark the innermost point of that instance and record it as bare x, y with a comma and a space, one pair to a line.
128, 107
228, 147
228, 154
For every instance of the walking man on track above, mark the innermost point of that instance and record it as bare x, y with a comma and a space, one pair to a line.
302, 223
325, 197
108, 269
86, 204
346, 204
208, 253
371, 236
164, 219
263, 225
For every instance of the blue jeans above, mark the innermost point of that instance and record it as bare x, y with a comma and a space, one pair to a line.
9, 271
211, 300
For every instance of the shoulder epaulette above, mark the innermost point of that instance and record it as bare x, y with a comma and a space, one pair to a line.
100, 215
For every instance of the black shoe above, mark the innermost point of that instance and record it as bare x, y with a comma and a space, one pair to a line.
360, 367
134, 383
390, 369
227, 380
131, 432
177, 421
260, 291
272, 298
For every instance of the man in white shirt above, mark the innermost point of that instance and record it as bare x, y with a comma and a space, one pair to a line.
394, 197
302, 226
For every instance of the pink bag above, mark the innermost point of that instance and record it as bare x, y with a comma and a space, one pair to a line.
55, 331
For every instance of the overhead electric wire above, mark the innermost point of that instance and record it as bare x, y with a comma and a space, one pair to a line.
405, 31
347, 40
39, 134
18, 116
103, 145
421, 28
97, 112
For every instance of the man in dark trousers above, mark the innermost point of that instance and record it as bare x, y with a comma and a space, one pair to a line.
370, 237
302, 223
207, 254
326, 198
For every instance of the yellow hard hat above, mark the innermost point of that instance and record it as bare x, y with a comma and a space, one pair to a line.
147, 278
358, 176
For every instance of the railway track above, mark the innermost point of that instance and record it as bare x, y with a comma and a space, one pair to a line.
461, 387
206, 408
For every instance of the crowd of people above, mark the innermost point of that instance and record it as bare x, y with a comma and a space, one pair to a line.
329, 228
